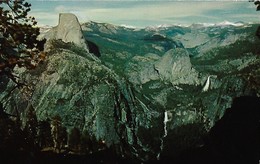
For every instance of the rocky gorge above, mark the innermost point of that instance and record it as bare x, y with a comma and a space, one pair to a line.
149, 93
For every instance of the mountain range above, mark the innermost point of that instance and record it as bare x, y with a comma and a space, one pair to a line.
150, 93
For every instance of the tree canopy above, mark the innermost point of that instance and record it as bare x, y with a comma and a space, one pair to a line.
19, 44
257, 3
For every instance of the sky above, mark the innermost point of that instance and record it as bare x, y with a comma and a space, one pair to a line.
142, 13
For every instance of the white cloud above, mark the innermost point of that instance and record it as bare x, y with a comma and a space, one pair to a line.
149, 12
163, 12
44, 18
61, 9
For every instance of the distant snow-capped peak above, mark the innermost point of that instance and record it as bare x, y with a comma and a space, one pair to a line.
128, 26
224, 23
227, 23
163, 26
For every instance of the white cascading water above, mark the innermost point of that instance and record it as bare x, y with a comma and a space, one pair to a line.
165, 120
206, 87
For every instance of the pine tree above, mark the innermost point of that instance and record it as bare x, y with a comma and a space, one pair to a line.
74, 139
59, 134
19, 45
257, 3
85, 143
31, 127
44, 138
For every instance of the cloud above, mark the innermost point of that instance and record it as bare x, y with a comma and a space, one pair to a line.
140, 13
44, 18
61, 9
153, 12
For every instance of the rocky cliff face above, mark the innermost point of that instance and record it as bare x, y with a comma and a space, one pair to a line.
68, 30
175, 66
146, 105
92, 98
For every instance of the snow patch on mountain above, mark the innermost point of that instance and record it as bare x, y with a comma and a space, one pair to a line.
224, 24
128, 26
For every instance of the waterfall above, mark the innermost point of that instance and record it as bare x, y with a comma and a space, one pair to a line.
165, 120
206, 87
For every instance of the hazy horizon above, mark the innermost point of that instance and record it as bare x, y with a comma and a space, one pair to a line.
146, 13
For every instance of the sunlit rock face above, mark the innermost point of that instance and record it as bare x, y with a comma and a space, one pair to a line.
175, 67
140, 69
68, 30
81, 98
92, 98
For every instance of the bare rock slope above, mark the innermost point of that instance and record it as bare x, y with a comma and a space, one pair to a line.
68, 30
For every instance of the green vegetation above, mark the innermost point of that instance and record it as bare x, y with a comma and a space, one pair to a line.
59, 44
18, 38
19, 46
225, 60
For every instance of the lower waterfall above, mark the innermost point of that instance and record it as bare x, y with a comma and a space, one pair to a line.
165, 120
